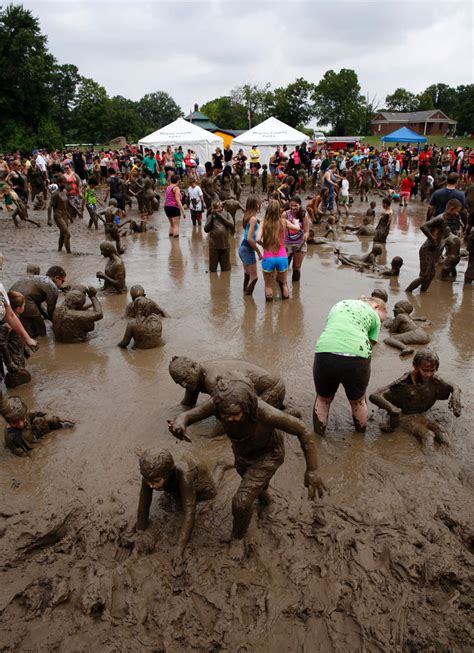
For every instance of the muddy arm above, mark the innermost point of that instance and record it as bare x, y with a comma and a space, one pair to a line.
127, 336
452, 391
179, 425
144, 503
188, 502
381, 398
294, 426
190, 397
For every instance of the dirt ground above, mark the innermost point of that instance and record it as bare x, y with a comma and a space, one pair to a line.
383, 563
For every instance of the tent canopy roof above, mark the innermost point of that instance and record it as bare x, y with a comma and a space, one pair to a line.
271, 132
180, 131
404, 135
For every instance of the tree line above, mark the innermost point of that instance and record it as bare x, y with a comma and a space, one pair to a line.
46, 104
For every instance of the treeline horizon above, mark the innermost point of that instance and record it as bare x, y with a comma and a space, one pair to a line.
46, 104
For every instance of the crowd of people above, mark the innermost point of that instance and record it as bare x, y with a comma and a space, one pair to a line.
277, 229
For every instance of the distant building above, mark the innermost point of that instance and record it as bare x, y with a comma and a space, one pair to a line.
425, 123
201, 120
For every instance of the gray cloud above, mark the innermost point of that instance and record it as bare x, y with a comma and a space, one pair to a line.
198, 50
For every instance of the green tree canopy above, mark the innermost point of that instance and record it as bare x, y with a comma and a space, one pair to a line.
338, 101
157, 110
89, 115
293, 104
225, 112
25, 70
401, 100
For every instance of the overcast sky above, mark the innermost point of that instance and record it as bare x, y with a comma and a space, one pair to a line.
198, 50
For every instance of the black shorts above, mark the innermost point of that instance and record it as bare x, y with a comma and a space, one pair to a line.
329, 370
172, 211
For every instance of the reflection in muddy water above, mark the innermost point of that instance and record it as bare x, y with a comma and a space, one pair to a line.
387, 565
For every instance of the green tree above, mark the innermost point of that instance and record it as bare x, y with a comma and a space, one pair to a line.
226, 113
370, 106
443, 97
259, 100
25, 72
338, 101
293, 104
401, 100
123, 119
424, 102
157, 110
465, 112
63, 87
89, 114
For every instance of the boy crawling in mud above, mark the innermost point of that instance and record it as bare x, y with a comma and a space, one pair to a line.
25, 429
188, 481
408, 399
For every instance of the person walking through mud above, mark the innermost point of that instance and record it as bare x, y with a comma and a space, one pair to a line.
173, 206
342, 356
248, 250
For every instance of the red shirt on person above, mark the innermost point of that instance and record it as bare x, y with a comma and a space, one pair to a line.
406, 185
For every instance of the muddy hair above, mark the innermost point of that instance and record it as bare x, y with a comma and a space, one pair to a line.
426, 356
379, 293
397, 262
377, 249
16, 299
156, 464
137, 291
183, 370
251, 208
236, 392
272, 227
404, 306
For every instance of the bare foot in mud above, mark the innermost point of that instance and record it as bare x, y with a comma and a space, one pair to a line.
237, 549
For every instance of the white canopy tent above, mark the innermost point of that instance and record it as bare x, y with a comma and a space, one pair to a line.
266, 136
189, 136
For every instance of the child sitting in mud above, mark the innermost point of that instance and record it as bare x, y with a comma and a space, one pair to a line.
370, 213
408, 399
25, 429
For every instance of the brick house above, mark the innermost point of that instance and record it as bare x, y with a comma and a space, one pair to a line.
425, 123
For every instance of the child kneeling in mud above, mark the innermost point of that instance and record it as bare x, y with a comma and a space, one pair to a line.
219, 225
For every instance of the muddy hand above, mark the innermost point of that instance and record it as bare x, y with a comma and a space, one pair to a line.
33, 345
314, 483
178, 430
455, 405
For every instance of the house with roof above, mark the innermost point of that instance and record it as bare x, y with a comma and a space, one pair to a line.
425, 123
201, 120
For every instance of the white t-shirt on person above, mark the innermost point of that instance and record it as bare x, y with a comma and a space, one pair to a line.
196, 195
345, 188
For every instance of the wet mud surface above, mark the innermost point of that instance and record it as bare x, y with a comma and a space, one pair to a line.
383, 563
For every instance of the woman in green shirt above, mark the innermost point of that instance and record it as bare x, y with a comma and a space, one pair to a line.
342, 355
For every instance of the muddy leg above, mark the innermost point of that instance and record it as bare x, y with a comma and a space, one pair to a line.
321, 414
441, 436
360, 414
224, 260
213, 259
393, 342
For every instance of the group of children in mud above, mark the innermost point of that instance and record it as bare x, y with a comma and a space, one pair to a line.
248, 401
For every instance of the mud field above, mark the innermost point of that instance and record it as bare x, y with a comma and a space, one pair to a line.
388, 565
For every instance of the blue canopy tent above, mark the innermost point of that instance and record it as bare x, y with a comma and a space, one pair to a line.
404, 135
